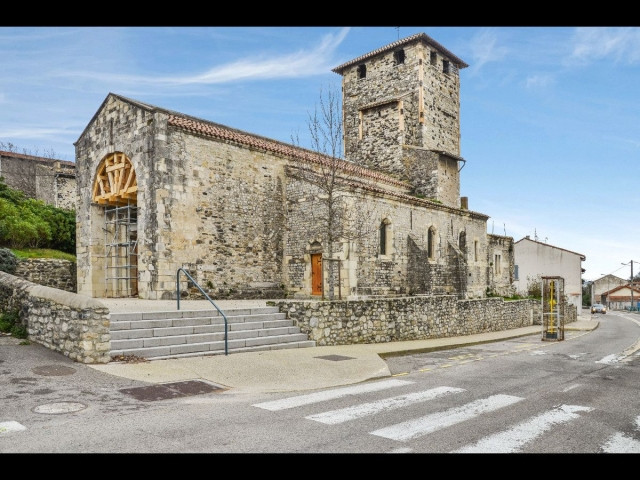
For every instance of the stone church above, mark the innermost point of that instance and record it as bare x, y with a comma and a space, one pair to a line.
250, 217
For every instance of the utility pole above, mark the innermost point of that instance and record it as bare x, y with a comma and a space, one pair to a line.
631, 284
608, 302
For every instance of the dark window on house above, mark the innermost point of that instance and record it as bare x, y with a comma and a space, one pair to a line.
362, 71
398, 56
515, 272
434, 58
446, 66
431, 237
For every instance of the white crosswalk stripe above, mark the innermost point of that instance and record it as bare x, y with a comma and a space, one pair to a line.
436, 421
317, 397
357, 411
512, 440
621, 443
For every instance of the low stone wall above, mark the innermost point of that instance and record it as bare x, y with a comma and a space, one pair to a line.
380, 320
50, 272
74, 325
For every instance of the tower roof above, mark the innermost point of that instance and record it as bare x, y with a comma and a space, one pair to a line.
418, 37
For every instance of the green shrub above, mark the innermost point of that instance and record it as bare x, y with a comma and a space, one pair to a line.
26, 222
8, 261
19, 331
10, 323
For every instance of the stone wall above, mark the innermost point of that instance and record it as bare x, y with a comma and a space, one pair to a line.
405, 267
380, 320
50, 272
74, 325
410, 103
52, 181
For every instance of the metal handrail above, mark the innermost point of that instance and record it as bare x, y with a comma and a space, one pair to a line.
226, 351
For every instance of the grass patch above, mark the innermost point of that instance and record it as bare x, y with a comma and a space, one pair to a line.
10, 323
43, 253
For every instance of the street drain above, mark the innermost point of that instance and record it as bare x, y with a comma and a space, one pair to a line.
335, 358
53, 370
165, 391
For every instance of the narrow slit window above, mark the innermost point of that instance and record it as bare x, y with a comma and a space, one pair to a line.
398, 56
431, 237
384, 237
433, 58
446, 66
362, 71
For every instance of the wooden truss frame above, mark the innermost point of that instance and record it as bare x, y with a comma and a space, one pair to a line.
116, 182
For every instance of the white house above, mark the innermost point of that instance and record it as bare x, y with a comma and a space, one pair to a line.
602, 285
622, 297
534, 259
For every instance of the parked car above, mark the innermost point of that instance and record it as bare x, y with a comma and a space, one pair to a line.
598, 308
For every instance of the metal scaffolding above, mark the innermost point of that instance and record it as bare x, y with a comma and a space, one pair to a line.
121, 250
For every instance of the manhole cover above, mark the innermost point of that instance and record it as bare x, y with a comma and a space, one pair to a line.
335, 358
60, 407
53, 370
164, 391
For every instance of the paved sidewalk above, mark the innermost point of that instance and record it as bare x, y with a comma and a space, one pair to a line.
293, 369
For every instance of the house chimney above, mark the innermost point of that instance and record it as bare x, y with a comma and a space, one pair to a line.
464, 203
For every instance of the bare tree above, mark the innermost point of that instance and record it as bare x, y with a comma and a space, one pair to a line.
337, 219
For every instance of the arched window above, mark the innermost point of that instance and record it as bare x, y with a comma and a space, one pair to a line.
462, 241
431, 242
384, 236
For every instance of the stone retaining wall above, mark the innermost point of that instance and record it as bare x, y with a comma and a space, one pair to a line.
50, 272
74, 325
409, 318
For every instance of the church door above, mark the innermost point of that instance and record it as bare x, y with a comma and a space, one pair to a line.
316, 274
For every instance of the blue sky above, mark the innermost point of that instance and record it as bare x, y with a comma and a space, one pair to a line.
550, 116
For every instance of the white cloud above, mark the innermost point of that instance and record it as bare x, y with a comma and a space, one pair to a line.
298, 64
539, 81
620, 45
485, 49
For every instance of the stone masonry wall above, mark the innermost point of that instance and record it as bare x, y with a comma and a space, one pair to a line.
405, 268
74, 325
413, 103
409, 318
50, 272
222, 216
49, 180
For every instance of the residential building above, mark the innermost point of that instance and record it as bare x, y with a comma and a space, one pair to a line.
534, 259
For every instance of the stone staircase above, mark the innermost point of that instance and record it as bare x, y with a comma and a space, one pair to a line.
188, 333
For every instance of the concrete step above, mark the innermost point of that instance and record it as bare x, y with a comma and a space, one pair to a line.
173, 334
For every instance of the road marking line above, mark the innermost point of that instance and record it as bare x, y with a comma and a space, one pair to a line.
512, 440
334, 417
609, 359
11, 426
621, 443
436, 421
292, 402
